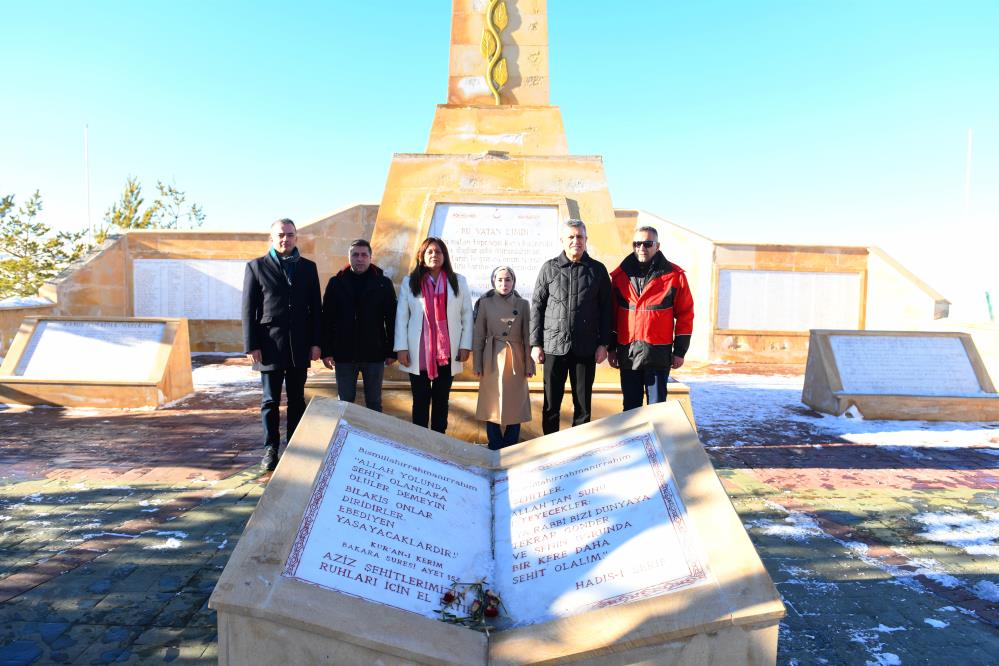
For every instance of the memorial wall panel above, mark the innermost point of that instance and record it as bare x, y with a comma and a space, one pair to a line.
191, 288
753, 300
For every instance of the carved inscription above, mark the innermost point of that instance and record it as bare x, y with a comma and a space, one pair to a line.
601, 528
392, 525
192, 288
787, 300
481, 237
92, 351
904, 365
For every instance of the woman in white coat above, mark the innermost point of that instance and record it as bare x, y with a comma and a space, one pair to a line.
433, 331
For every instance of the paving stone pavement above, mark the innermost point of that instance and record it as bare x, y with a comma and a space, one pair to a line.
115, 525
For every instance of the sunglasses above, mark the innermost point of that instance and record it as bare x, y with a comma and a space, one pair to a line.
646, 244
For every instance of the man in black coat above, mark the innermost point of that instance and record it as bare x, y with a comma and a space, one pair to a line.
570, 325
282, 314
359, 326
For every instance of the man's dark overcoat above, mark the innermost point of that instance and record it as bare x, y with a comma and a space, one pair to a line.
281, 317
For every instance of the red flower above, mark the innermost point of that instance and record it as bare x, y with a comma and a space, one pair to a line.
448, 597
491, 611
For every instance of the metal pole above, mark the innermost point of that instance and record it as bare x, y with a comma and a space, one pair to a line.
86, 170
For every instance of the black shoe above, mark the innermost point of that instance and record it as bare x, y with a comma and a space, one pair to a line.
270, 459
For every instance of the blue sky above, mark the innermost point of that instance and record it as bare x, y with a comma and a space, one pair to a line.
828, 122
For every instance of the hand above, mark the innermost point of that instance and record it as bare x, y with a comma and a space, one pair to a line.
601, 354
677, 362
255, 356
316, 353
389, 361
612, 359
538, 355
463, 355
403, 356
328, 362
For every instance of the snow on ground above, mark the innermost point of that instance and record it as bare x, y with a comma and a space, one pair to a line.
23, 301
973, 535
220, 374
755, 405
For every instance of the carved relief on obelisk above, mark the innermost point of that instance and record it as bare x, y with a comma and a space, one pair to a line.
499, 52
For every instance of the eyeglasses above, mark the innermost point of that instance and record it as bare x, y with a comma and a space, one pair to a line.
646, 244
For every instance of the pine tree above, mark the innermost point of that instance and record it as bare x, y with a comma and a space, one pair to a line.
165, 212
29, 253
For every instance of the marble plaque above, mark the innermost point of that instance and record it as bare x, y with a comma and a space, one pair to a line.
192, 288
904, 365
92, 350
601, 527
480, 237
751, 300
392, 525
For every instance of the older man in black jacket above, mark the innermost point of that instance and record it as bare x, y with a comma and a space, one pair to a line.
281, 329
359, 326
570, 325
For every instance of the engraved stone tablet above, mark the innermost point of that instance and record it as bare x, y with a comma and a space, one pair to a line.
192, 288
92, 350
787, 300
383, 521
594, 529
614, 539
480, 237
904, 365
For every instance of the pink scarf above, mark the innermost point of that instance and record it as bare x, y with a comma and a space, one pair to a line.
436, 341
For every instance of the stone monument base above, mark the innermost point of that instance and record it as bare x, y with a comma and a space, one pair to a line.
117, 363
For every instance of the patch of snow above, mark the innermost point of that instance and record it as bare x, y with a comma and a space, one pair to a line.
796, 527
97, 535
169, 544
882, 629
973, 535
179, 535
223, 544
221, 493
947, 609
24, 301
987, 590
218, 374
936, 624
721, 403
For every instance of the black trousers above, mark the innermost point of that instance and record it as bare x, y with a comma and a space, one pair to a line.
270, 404
430, 397
580, 370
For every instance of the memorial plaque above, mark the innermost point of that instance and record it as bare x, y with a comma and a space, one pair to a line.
910, 365
91, 351
898, 375
480, 237
192, 288
593, 529
392, 525
752, 300
613, 541
601, 527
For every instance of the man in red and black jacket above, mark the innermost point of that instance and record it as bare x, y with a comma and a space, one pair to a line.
653, 320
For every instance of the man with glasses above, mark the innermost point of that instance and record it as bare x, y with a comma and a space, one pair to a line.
570, 325
653, 320
282, 314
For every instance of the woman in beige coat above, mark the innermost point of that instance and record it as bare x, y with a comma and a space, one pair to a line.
501, 357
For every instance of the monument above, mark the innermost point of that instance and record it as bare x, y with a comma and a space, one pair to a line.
612, 542
122, 362
905, 375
